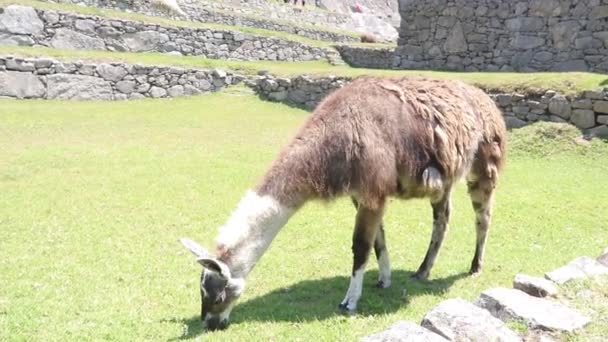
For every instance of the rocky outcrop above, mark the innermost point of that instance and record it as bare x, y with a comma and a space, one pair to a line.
579, 268
404, 331
497, 35
221, 13
52, 79
22, 25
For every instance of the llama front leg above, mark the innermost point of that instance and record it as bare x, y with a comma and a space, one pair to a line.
367, 224
482, 194
441, 217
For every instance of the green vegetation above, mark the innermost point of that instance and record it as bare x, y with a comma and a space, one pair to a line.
591, 298
567, 83
94, 195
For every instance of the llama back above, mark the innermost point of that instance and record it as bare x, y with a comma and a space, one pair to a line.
366, 137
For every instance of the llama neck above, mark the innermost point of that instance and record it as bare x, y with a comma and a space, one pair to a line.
250, 230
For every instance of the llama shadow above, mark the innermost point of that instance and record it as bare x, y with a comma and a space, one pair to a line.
311, 300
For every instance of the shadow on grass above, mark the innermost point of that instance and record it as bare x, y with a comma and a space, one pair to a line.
318, 299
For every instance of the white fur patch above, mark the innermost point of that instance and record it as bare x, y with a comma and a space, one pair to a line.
355, 288
384, 266
251, 228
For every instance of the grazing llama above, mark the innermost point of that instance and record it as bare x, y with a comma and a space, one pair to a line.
374, 138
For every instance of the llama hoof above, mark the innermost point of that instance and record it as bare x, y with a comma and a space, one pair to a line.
343, 307
382, 284
420, 275
475, 272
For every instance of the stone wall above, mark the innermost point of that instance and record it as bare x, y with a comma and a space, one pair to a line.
220, 14
367, 57
535, 35
63, 30
52, 79
587, 111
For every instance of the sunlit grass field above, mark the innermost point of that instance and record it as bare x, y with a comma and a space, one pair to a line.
94, 196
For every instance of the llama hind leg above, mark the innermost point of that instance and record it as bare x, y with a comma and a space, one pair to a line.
482, 195
366, 226
441, 217
384, 264
382, 256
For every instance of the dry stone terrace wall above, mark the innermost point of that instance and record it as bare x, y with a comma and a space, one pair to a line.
204, 12
535, 35
63, 30
587, 111
52, 79
364, 57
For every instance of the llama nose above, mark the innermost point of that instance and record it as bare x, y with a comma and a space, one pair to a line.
215, 323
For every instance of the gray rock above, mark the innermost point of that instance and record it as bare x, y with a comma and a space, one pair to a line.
526, 42
21, 85
459, 320
278, 95
534, 286
599, 131
110, 72
20, 20
126, 87
19, 65
602, 119
404, 331
593, 94
72, 40
603, 258
157, 92
579, 268
191, 90
510, 304
78, 87
12, 39
85, 25
560, 106
601, 106
574, 65
583, 118
513, 122
176, 91
456, 41
582, 104
144, 41
525, 24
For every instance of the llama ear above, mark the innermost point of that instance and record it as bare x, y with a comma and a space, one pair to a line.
195, 248
214, 265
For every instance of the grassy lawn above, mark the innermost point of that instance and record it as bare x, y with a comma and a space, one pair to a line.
93, 197
565, 82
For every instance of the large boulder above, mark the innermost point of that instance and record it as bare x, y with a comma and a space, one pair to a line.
459, 320
78, 87
20, 20
110, 72
404, 331
509, 304
20, 85
72, 40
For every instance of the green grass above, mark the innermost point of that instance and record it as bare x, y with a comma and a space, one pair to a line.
94, 195
115, 14
567, 83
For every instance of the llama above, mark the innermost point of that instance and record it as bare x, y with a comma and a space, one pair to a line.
406, 137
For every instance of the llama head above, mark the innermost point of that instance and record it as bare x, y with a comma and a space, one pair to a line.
219, 290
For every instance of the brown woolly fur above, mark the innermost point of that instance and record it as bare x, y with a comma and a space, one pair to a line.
368, 38
375, 138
